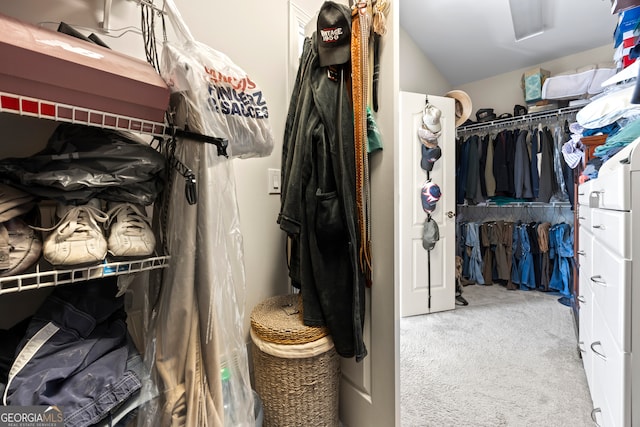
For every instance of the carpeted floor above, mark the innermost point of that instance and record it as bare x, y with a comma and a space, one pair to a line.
509, 358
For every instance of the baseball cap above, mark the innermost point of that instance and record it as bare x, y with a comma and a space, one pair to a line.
485, 115
430, 195
431, 118
429, 157
430, 234
427, 137
334, 34
519, 110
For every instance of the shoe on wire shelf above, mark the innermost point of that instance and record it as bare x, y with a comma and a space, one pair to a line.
78, 237
130, 233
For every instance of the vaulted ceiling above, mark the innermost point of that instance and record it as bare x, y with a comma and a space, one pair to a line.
470, 40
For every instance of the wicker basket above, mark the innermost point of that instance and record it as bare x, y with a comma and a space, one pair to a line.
296, 368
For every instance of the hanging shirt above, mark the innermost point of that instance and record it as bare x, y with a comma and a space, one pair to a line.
535, 173
548, 183
473, 168
484, 143
500, 164
522, 168
461, 172
489, 179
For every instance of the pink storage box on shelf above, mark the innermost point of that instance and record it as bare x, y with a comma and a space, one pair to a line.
52, 66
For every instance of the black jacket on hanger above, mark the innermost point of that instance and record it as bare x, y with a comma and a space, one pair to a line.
503, 158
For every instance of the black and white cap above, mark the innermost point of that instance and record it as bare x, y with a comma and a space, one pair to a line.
334, 34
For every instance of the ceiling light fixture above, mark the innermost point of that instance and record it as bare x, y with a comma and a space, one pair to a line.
527, 18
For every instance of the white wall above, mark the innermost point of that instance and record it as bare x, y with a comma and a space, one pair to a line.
417, 73
503, 92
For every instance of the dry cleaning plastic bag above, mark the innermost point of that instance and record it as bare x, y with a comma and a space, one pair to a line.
224, 102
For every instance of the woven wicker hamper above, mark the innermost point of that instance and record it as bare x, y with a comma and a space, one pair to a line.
296, 367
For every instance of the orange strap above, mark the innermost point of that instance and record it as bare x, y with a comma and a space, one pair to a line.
360, 29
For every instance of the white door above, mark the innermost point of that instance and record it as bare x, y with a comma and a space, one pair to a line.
423, 289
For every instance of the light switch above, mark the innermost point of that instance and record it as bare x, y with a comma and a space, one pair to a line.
273, 179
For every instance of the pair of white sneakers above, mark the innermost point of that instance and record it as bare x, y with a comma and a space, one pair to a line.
79, 236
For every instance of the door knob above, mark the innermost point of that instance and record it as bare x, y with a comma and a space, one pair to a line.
451, 214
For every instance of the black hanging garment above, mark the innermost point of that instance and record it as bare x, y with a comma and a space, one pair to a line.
548, 181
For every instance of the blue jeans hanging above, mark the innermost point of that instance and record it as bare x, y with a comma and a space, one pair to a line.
475, 260
561, 256
522, 271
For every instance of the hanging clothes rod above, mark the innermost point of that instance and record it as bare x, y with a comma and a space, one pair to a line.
518, 205
560, 112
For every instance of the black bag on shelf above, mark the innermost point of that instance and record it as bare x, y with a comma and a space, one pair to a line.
83, 162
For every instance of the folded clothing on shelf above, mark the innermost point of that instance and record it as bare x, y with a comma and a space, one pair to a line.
76, 353
20, 245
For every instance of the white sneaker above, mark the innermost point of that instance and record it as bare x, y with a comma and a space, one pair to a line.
77, 238
130, 232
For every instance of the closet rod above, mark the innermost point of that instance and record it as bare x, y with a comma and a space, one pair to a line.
519, 205
520, 119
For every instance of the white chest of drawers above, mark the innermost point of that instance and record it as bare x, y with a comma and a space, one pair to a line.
609, 288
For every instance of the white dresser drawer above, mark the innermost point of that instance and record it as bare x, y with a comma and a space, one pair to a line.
610, 366
584, 190
585, 251
611, 190
612, 229
585, 327
610, 280
585, 302
584, 216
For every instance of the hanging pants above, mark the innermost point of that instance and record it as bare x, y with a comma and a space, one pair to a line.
522, 272
475, 259
561, 253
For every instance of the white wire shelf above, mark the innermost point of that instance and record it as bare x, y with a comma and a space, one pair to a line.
43, 278
43, 109
529, 117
